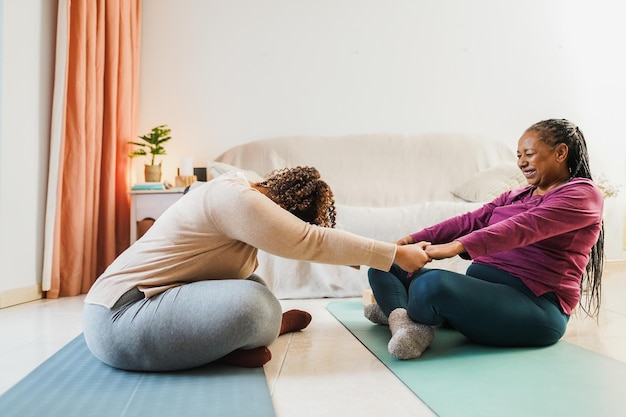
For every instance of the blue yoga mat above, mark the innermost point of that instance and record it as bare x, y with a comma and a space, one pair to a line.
457, 378
74, 383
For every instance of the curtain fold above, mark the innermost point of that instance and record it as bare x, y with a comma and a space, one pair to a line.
94, 116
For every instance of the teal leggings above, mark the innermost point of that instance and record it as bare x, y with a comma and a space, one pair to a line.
486, 305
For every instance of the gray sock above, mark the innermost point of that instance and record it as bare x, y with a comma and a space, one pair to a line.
375, 314
409, 339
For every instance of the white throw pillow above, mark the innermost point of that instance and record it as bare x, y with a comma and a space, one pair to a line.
220, 168
490, 183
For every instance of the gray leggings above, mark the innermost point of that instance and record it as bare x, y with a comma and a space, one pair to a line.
184, 327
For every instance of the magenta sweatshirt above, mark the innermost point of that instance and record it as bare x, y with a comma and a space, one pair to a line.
544, 240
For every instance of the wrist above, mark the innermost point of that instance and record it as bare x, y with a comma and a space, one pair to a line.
458, 247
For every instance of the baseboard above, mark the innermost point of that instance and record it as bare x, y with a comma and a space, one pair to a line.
21, 295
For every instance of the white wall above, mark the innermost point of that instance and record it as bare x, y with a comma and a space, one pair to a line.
27, 47
223, 73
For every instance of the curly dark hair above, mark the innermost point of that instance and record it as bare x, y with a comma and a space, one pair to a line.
301, 192
554, 132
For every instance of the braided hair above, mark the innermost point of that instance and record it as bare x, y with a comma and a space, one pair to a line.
554, 132
301, 192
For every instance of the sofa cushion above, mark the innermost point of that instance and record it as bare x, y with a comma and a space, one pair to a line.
490, 183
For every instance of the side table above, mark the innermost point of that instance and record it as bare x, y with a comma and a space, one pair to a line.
149, 205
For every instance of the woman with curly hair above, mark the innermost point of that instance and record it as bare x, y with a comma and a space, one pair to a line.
185, 295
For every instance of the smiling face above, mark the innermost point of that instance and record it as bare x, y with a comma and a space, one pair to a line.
544, 166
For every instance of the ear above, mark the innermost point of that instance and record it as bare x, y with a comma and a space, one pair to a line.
561, 151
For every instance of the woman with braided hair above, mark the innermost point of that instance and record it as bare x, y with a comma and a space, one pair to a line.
534, 251
185, 295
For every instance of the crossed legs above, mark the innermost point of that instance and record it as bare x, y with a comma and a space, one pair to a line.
188, 326
487, 305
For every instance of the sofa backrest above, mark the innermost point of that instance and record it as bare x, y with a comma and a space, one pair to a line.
379, 170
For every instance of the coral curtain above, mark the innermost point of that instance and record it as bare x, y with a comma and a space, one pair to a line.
94, 116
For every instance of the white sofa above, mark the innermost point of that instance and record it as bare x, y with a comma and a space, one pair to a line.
385, 187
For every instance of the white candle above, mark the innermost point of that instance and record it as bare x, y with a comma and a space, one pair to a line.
186, 166
209, 176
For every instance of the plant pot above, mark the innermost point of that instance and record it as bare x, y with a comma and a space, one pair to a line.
152, 173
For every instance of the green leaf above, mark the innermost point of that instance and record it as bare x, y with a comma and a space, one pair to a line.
152, 143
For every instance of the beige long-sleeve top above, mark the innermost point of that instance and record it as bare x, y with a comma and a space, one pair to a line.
215, 231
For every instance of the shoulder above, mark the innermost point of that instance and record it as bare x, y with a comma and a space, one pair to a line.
578, 193
583, 187
232, 179
227, 190
234, 189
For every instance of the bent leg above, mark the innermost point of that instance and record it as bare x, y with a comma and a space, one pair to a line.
409, 339
496, 309
184, 327
390, 288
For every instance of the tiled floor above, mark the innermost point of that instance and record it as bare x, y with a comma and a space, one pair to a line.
321, 371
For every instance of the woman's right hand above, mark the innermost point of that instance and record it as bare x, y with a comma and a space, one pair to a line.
412, 257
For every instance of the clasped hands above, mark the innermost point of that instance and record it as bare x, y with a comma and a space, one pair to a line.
411, 255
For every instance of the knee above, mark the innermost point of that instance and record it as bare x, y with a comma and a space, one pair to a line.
376, 275
261, 313
257, 278
261, 300
373, 275
428, 287
426, 295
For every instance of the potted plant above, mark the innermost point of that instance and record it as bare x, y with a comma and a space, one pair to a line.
152, 144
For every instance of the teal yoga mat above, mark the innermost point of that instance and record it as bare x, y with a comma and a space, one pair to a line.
74, 383
457, 378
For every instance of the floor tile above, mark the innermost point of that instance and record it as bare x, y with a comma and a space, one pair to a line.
320, 371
